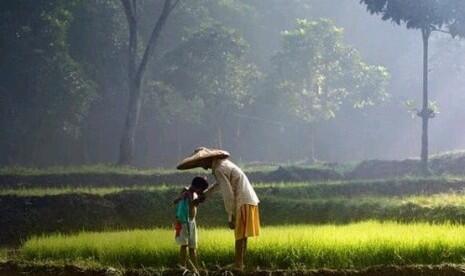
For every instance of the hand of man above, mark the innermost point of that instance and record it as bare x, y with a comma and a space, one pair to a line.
231, 224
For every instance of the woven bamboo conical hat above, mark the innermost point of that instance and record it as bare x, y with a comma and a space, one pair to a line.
196, 159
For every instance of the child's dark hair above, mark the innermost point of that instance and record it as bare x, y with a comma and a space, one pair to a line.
200, 183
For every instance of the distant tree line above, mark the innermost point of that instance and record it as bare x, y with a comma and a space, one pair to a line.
194, 72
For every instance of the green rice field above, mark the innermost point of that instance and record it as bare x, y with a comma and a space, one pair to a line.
313, 224
304, 246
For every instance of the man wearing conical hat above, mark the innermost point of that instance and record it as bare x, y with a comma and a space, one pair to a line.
240, 199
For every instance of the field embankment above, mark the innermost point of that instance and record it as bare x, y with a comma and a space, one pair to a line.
28, 212
113, 177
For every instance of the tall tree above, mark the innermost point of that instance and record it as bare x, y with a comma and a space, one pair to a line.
315, 73
97, 39
427, 16
45, 92
210, 68
136, 70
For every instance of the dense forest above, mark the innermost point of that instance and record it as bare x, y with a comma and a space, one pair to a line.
271, 81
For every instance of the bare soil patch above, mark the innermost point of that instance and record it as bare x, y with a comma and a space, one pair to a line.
18, 268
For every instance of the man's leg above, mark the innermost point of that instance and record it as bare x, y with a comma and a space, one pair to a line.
240, 250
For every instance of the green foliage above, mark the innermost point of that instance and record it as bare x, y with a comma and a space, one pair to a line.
62, 90
46, 93
455, 12
316, 73
415, 14
431, 15
350, 246
210, 72
457, 26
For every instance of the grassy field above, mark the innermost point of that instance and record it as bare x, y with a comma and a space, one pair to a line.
350, 246
313, 224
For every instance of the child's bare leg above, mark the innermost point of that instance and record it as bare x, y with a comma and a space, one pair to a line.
193, 256
183, 255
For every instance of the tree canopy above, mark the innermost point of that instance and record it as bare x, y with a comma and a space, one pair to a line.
210, 68
316, 72
415, 14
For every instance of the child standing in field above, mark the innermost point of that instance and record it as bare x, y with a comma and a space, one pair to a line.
185, 225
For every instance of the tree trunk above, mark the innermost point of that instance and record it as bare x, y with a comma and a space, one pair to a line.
126, 150
127, 145
425, 113
136, 73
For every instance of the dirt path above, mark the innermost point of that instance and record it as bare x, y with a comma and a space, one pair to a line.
16, 269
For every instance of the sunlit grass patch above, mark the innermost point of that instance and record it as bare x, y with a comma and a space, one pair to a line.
442, 199
355, 245
3, 254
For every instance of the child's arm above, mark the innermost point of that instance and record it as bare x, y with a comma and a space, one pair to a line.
181, 196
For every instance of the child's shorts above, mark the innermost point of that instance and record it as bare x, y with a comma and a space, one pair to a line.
188, 235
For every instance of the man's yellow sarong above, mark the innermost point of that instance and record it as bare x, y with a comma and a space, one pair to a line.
247, 222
